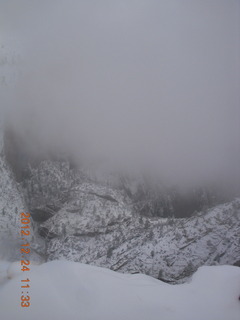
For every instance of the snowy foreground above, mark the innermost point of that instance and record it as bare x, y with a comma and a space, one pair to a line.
64, 290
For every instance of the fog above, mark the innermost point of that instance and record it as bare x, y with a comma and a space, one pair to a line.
146, 84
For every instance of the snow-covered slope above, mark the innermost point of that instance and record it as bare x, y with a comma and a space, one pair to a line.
67, 290
98, 227
86, 220
11, 205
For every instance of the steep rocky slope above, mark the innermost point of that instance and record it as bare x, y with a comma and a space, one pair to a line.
81, 218
98, 231
12, 203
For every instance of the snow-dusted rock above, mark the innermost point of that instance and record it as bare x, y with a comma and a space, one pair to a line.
89, 221
12, 203
170, 249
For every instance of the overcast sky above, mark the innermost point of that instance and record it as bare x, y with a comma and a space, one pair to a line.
154, 83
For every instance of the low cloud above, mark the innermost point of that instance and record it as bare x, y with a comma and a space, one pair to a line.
147, 84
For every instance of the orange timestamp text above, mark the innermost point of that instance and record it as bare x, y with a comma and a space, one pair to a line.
25, 250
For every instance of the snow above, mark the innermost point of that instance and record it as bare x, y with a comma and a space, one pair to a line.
14, 268
69, 290
120, 241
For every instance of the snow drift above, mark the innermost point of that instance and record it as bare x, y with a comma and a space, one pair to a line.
68, 290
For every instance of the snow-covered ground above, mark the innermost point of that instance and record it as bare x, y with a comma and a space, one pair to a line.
61, 290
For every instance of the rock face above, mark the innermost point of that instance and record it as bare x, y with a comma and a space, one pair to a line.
77, 217
11, 200
92, 231
12, 203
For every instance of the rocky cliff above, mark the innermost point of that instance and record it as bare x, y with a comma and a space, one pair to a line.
79, 218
